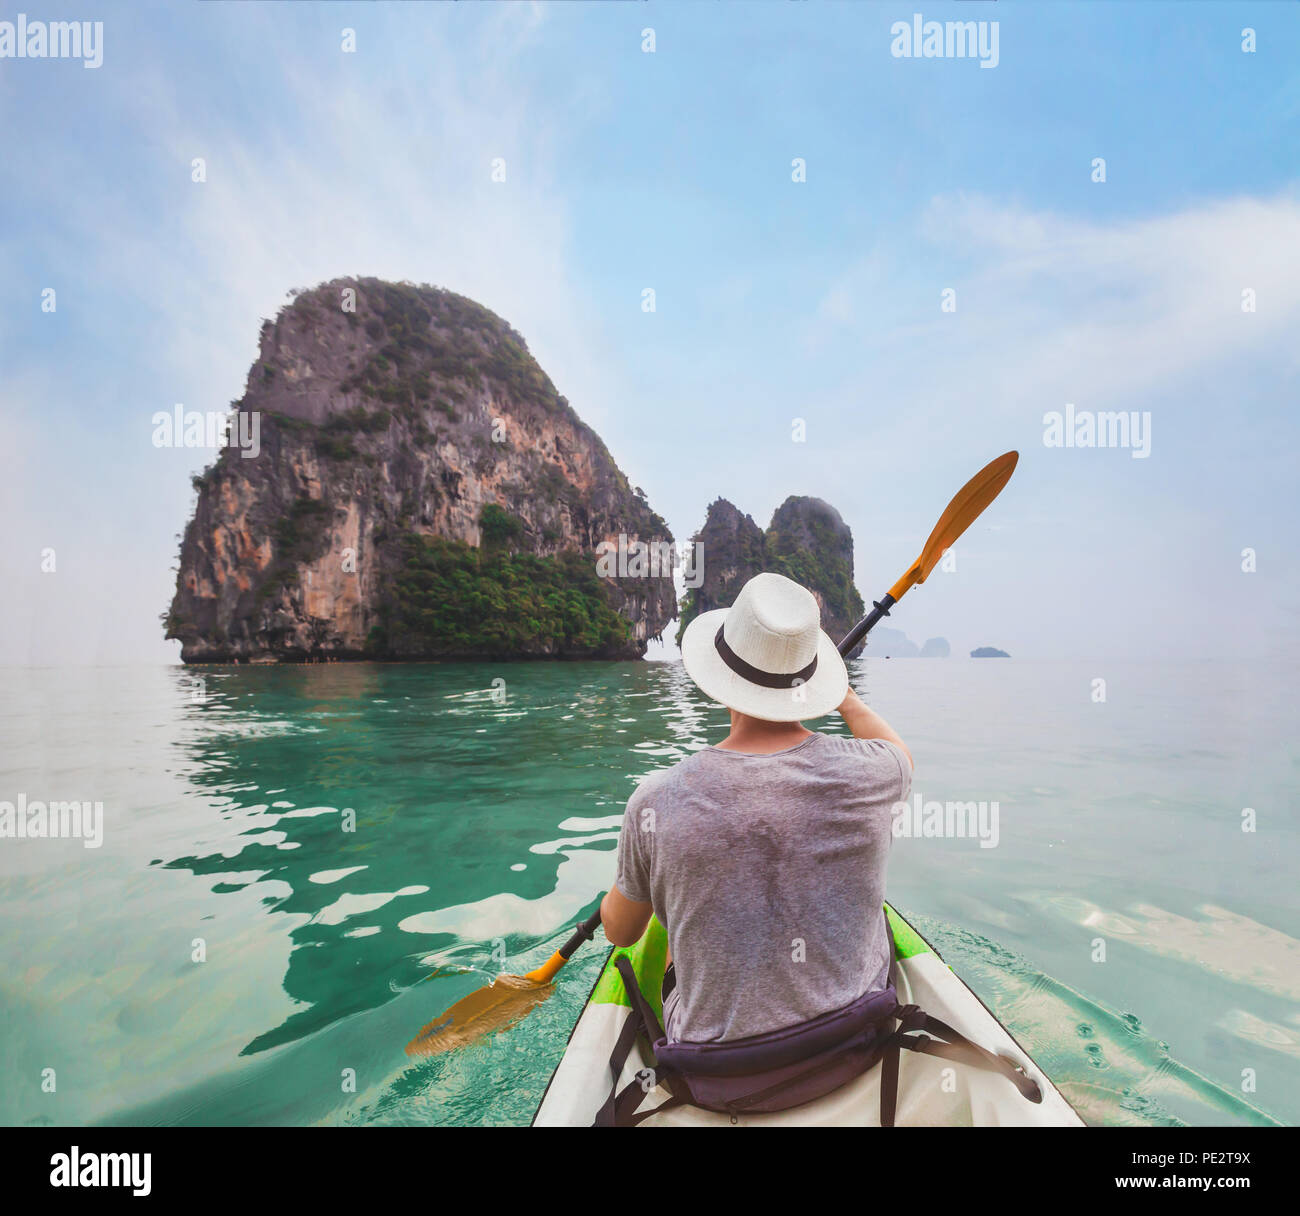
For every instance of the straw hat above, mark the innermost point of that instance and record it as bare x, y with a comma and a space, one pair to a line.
766, 655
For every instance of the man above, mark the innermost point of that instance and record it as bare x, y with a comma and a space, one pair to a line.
764, 855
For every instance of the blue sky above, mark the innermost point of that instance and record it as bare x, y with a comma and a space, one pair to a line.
775, 300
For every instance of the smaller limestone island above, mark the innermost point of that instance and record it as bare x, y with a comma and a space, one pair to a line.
989, 652
807, 541
895, 644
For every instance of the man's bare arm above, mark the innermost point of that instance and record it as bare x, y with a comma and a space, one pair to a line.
865, 723
624, 919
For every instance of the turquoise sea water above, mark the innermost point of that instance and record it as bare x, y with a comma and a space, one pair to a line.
488, 814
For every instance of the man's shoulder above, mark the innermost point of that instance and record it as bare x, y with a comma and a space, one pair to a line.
880, 756
663, 780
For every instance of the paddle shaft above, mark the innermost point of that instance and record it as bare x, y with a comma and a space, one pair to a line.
583, 933
859, 631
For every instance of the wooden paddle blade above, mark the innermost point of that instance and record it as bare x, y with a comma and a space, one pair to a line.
965, 508
483, 1011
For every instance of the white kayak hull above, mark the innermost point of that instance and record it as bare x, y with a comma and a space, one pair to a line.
932, 1092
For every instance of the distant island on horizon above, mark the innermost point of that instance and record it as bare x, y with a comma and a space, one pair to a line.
989, 652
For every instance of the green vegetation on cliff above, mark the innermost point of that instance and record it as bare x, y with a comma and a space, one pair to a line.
450, 599
498, 528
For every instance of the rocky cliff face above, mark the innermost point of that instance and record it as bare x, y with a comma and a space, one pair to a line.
731, 549
397, 424
807, 541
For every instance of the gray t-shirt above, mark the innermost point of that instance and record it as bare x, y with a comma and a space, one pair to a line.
768, 873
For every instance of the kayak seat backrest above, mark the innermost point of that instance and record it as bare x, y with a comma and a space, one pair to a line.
785, 1086
787, 1067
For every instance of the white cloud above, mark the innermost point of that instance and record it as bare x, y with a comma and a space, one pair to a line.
1113, 312
1136, 314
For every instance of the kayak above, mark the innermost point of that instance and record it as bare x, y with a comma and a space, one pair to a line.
932, 1092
